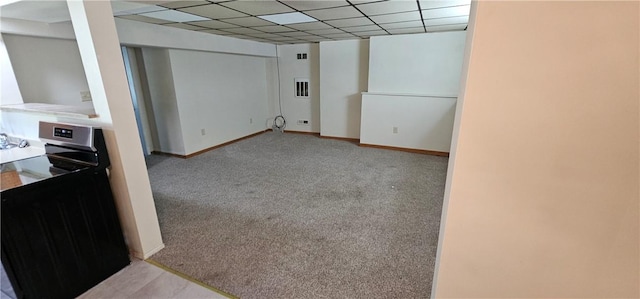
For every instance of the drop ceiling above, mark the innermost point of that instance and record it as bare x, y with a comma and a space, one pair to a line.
254, 20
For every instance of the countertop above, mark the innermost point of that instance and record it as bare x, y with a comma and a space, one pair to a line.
51, 109
16, 153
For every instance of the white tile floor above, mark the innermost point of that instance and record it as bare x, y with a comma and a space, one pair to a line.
138, 280
144, 280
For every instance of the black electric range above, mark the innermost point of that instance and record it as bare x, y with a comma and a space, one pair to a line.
60, 230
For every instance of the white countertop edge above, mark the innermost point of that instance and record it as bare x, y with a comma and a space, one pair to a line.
16, 153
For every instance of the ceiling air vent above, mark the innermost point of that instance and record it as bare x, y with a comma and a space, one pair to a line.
302, 88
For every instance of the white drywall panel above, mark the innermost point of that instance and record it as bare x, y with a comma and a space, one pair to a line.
141, 34
296, 108
151, 35
421, 64
423, 123
47, 70
9, 88
225, 95
344, 68
163, 101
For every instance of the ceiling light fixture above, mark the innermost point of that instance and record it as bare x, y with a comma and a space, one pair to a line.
288, 18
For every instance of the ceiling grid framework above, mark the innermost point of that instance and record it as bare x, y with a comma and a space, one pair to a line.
334, 19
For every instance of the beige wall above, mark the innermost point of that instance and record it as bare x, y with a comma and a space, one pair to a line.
543, 190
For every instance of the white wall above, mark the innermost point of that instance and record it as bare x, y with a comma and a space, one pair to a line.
150, 35
224, 94
413, 85
344, 69
47, 70
9, 88
146, 35
293, 108
163, 101
542, 196
424, 64
423, 123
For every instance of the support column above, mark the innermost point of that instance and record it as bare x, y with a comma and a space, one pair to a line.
99, 47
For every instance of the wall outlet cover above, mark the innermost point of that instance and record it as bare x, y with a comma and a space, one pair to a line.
85, 96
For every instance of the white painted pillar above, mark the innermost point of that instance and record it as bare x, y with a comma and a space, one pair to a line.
99, 47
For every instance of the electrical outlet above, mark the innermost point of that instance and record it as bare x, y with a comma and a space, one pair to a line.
85, 96
303, 122
395, 130
202, 132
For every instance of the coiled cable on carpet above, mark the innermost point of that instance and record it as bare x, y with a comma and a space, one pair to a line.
279, 125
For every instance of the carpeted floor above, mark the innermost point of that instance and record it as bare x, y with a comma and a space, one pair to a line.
297, 216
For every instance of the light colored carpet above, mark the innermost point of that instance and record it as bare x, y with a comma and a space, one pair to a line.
297, 216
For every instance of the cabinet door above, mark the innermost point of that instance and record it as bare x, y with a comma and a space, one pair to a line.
62, 236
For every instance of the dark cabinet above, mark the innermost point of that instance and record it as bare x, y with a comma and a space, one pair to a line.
61, 236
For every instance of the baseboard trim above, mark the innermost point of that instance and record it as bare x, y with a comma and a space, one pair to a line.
303, 133
167, 154
210, 148
409, 150
352, 140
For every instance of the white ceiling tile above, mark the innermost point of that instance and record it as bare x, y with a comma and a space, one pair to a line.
264, 35
181, 4
401, 25
309, 5
386, 7
326, 31
355, 2
310, 26
407, 30
214, 24
429, 4
447, 21
397, 17
315, 39
339, 35
144, 19
120, 8
174, 16
184, 26
248, 21
214, 11
446, 28
344, 38
371, 33
350, 22
217, 32
361, 28
283, 39
334, 13
288, 18
455, 11
242, 30
274, 29
258, 8
295, 34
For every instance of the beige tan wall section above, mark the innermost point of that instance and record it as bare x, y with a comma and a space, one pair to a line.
543, 190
